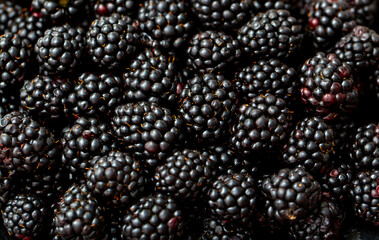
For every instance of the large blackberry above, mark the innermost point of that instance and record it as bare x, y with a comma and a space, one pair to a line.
207, 105
8, 102
165, 23
274, 33
146, 130
153, 217
291, 194
9, 11
310, 145
23, 216
212, 51
60, 50
365, 11
218, 229
261, 125
336, 183
109, 7
111, 40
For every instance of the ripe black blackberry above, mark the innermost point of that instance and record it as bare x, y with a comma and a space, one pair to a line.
165, 23
207, 105
217, 229
365, 196
146, 130
212, 52
261, 125
9, 11
336, 183
111, 40
365, 11
266, 76
24, 216
79, 215
328, 21
151, 77
109, 7
291, 194
60, 50
311, 145
115, 177
8, 101
271, 34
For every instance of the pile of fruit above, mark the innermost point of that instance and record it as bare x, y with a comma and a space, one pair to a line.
188, 119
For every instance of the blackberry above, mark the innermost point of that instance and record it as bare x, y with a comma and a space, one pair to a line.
343, 133
165, 23
217, 229
212, 52
153, 217
111, 40
260, 125
365, 196
232, 197
146, 130
311, 145
23, 216
266, 76
13, 60
222, 15
327, 86
328, 21
79, 215
115, 177
60, 50
207, 105
291, 194
9, 11
274, 33
109, 7
364, 152
7, 187
263, 6
337, 183
365, 11
8, 102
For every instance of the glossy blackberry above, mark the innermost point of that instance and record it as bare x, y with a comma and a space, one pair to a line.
310, 145
23, 216
336, 184
274, 33
365, 196
364, 152
165, 23
207, 105
13, 60
151, 77
25, 145
217, 229
60, 50
291, 194
222, 15
359, 48
111, 40
261, 125
266, 76
365, 11
9, 11
328, 21
79, 215
108, 7
146, 130
85, 139
212, 52
8, 102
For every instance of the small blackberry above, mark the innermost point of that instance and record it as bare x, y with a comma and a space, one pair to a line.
337, 183
365, 11
108, 7
217, 229
8, 102
9, 11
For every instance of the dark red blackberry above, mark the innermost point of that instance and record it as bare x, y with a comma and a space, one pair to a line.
274, 33
165, 23
146, 130
207, 105
311, 145
261, 125
266, 76
328, 21
60, 50
365, 196
23, 216
153, 217
8, 102
336, 183
291, 194
111, 40
9, 11
212, 52
115, 177
217, 229
365, 11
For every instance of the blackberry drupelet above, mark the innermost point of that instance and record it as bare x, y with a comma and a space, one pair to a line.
24, 216
116, 177
217, 229
207, 105
146, 130
153, 217
336, 184
365, 11
311, 145
9, 11
271, 34
8, 102
291, 194
109, 7
212, 52
60, 50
